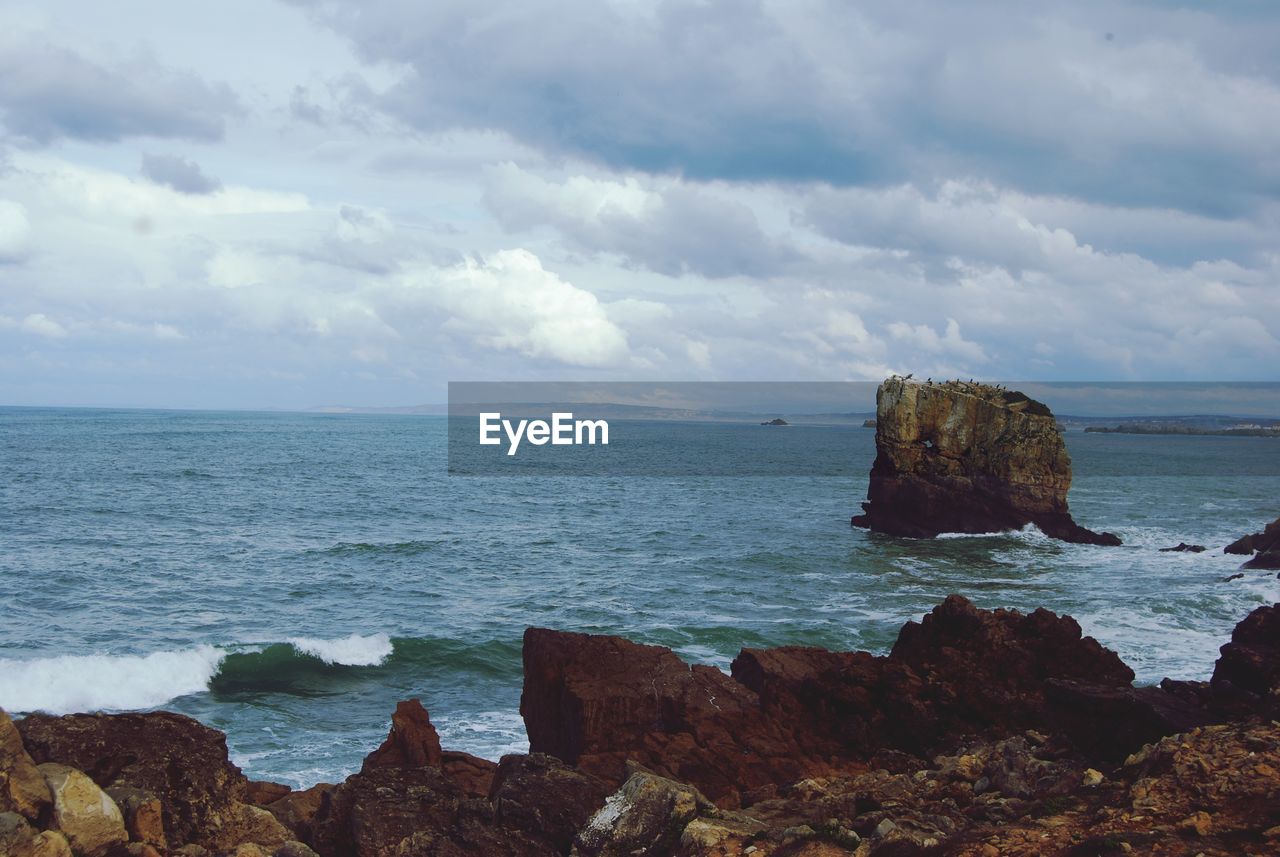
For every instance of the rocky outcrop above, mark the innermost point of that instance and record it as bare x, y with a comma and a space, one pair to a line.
1250, 663
787, 713
960, 457
412, 742
1260, 542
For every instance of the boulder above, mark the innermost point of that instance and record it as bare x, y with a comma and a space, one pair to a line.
412, 742
84, 813
22, 789
647, 816
183, 763
541, 796
960, 457
19, 839
143, 815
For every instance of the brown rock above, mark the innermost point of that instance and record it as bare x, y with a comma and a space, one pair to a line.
143, 815
413, 811
19, 839
297, 810
596, 702
180, 761
412, 742
473, 775
263, 792
544, 798
961, 457
22, 789
83, 812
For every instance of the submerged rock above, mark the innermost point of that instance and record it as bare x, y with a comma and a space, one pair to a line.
960, 457
1183, 547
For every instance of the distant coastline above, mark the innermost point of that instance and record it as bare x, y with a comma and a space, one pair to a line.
1181, 429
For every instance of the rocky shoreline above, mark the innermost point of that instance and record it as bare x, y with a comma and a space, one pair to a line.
981, 733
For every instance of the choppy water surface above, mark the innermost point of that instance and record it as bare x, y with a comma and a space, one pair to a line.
288, 578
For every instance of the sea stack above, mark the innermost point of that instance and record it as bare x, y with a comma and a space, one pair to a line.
965, 457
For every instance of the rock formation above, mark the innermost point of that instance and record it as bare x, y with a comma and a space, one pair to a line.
982, 733
1266, 546
959, 457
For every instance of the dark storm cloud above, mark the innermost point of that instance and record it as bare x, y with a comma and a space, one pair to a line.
1126, 104
49, 93
178, 173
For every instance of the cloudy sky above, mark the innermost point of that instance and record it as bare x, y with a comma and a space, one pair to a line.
251, 204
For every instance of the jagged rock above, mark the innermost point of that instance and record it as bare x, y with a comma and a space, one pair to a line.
264, 792
1268, 559
598, 701
180, 761
22, 789
793, 712
967, 458
1256, 542
83, 812
412, 742
470, 773
1251, 661
143, 815
647, 816
541, 796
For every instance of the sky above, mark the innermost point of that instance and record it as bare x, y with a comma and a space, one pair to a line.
298, 204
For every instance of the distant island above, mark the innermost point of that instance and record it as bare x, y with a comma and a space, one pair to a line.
1248, 430
777, 421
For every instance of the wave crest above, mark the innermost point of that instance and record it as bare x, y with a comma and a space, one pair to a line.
352, 651
70, 683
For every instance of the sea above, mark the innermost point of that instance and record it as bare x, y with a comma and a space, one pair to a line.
287, 578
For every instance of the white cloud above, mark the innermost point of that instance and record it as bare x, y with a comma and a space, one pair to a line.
509, 301
40, 324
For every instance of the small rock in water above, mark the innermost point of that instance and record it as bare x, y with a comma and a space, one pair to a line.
1231, 577
1183, 547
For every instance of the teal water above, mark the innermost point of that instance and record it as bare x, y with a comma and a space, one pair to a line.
287, 578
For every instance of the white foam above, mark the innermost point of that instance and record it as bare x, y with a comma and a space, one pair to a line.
352, 651
76, 683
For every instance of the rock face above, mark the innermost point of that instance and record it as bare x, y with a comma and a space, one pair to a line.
1251, 661
960, 457
792, 712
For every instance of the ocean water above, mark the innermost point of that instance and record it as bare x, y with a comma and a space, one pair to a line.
287, 578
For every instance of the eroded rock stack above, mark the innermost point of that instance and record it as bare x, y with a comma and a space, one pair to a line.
957, 457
